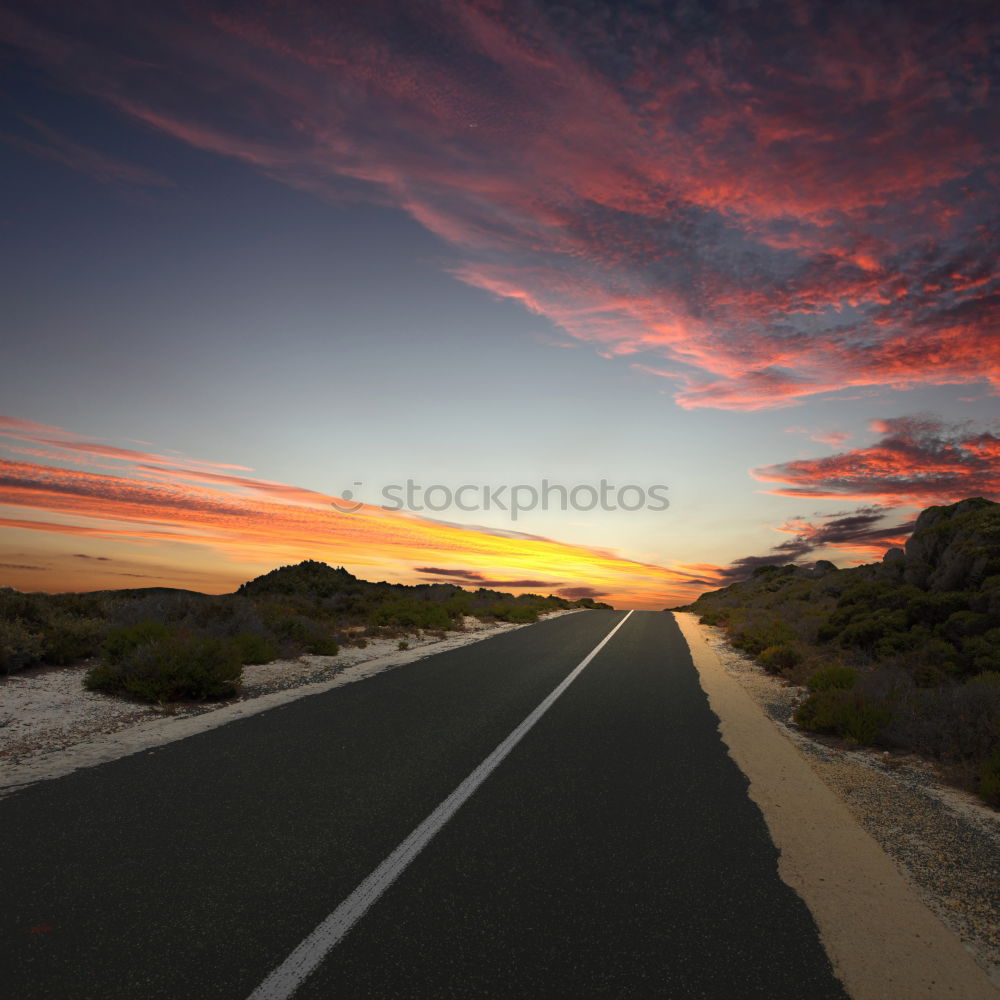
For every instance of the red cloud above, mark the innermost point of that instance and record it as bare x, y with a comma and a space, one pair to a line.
767, 204
918, 460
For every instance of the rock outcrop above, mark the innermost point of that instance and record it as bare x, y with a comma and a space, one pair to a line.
955, 547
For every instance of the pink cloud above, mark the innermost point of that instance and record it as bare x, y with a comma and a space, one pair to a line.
918, 460
832, 438
785, 201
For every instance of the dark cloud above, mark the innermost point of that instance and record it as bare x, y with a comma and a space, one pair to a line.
20, 566
575, 593
864, 529
456, 574
468, 577
80, 555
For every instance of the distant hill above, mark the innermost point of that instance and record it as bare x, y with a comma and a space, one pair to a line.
179, 643
311, 578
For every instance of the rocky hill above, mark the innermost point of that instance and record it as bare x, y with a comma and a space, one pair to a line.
900, 653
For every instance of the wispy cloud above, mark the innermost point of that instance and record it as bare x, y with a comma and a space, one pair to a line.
832, 438
759, 203
575, 593
48, 144
468, 578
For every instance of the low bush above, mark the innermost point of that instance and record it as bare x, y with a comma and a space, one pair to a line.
844, 713
989, 678
121, 642
957, 724
20, 645
412, 613
755, 636
777, 659
296, 632
989, 779
171, 668
322, 644
252, 648
69, 638
836, 675
36, 628
509, 612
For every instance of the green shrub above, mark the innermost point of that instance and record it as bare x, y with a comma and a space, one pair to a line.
821, 712
458, 606
20, 644
989, 779
983, 651
836, 676
989, 678
411, 613
778, 658
516, 613
402, 644
867, 629
957, 724
864, 720
299, 633
69, 638
252, 648
121, 642
322, 644
756, 636
845, 713
170, 668
929, 675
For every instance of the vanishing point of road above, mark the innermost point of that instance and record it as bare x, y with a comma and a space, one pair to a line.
446, 830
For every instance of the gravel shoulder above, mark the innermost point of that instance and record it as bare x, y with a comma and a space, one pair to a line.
50, 725
944, 844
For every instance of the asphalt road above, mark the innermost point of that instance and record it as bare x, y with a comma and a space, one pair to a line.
613, 853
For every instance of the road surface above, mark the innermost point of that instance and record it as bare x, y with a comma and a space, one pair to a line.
613, 852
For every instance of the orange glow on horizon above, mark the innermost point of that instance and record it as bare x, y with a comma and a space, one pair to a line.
182, 525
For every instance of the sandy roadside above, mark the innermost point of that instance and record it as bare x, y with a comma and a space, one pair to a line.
51, 726
884, 941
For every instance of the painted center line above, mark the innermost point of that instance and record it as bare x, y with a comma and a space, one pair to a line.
288, 976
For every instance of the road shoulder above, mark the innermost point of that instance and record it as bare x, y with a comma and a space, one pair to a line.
882, 939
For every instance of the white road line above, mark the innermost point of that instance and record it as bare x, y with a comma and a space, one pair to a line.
288, 976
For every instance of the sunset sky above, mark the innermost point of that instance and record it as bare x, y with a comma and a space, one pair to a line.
256, 255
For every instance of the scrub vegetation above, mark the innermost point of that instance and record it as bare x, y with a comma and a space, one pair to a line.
159, 644
902, 654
